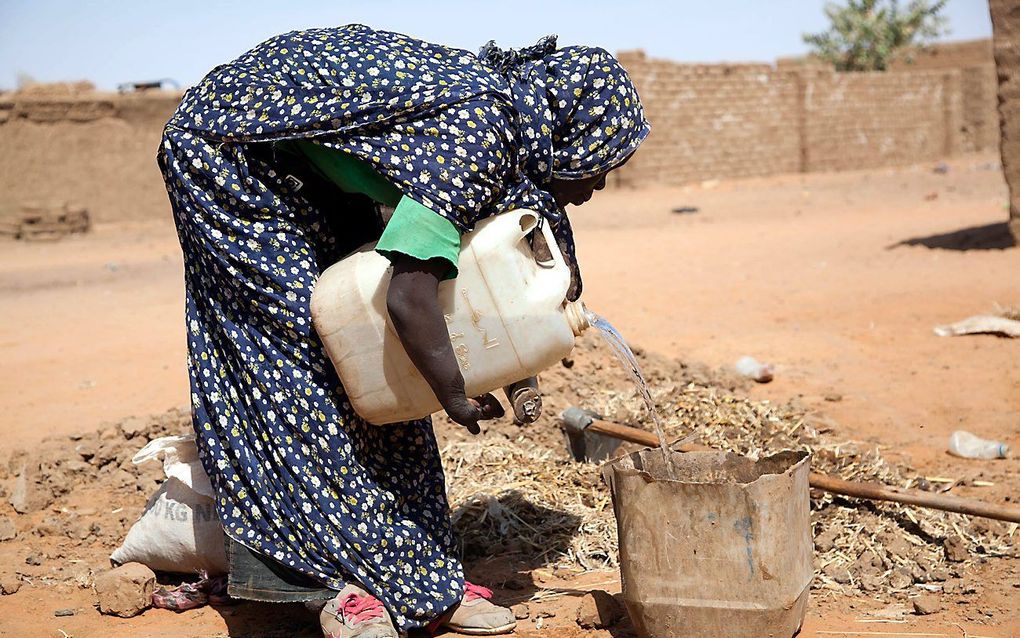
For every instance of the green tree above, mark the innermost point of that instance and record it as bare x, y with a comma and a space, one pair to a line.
866, 34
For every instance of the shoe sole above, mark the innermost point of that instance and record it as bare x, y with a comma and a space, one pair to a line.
492, 631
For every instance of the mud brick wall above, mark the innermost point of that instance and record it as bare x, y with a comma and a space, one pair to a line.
713, 120
980, 126
1006, 36
720, 121
97, 150
94, 150
947, 55
857, 120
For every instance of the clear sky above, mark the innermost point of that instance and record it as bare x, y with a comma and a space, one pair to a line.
122, 40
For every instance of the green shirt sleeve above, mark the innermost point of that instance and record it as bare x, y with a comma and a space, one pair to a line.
418, 232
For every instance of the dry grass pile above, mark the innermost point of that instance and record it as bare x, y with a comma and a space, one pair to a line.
511, 497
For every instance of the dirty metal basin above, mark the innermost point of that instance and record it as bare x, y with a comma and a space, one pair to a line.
723, 551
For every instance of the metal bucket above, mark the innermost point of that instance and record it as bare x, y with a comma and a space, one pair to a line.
723, 551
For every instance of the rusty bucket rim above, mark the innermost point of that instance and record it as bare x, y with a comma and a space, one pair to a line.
612, 466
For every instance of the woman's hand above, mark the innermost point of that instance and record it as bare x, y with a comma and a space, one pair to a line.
468, 412
413, 304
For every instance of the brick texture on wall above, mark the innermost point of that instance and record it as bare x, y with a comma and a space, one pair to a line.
857, 120
712, 120
946, 55
95, 150
1006, 35
709, 121
741, 120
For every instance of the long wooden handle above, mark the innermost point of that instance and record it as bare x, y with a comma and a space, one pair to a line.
870, 491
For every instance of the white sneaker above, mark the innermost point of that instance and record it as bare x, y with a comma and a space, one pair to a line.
477, 616
354, 613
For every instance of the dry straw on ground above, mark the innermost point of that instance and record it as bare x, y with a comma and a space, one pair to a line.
533, 500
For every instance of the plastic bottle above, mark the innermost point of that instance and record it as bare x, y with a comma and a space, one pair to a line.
968, 446
506, 314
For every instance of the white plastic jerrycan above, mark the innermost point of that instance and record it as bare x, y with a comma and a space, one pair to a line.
506, 314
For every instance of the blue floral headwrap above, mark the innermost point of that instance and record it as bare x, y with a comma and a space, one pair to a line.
580, 113
579, 116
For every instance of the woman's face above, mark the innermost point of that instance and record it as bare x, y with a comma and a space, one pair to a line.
578, 191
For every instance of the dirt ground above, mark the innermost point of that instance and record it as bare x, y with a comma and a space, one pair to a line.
837, 279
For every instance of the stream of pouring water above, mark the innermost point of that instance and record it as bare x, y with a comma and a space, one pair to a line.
626, 357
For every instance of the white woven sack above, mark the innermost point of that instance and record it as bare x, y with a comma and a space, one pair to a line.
179, 530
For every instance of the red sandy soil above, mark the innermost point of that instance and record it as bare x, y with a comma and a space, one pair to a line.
806, 271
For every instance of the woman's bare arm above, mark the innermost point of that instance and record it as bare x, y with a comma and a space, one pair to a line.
413, 305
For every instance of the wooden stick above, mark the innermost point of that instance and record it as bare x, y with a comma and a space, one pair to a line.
870, 491
946, 502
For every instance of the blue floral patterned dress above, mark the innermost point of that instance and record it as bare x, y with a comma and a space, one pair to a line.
299, 477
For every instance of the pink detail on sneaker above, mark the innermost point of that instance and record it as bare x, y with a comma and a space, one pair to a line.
473, 592
360, 608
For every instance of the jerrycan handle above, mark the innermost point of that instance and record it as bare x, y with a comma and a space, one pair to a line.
532, 229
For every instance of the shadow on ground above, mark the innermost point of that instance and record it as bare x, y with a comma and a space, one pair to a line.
508, 542
988, 237
511, 524
496, 555
250, 619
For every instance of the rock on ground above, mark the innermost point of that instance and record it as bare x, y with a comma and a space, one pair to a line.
9, 583
126, 590
7, 529
956, 549
925, 605
598, 610
29, 495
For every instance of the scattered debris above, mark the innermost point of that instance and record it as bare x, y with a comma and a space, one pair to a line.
36, 221
8, 531
598, 610
520, 494
751, 368
969, 446
926, 605
981, 324
206, 591
521, 611
10, 583
28, 494
956, 549
125, 591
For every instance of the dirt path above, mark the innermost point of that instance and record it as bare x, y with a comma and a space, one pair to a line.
803, 271
797, 270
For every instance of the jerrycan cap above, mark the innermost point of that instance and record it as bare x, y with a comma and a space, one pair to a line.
577, 316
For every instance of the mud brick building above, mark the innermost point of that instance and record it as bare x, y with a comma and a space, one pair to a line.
736, 120
70, 143
1006, 28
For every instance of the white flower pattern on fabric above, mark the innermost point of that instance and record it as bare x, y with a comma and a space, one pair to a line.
298, 475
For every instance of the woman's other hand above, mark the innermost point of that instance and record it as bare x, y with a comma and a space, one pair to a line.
468, 412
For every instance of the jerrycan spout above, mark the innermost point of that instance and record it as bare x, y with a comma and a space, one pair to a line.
577, 316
